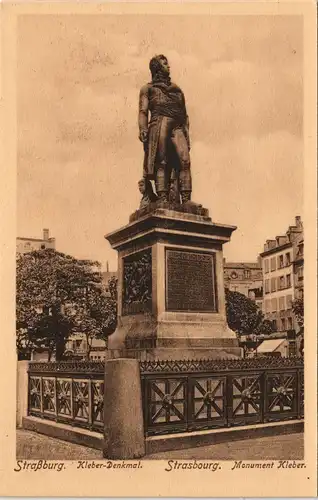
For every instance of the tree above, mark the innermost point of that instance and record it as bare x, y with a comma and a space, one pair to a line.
244, 316
51, 293
298, 310
109, 311
97, 314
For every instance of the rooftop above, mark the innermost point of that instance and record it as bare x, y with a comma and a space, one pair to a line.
242, 265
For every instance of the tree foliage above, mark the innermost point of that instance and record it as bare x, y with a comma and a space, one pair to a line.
97, 314
298, 310
244, 316
58, 295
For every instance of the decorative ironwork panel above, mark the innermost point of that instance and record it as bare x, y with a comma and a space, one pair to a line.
98, 402
281, 391
190, 281
35, 394
247, 397
208, 400
64, 397
214, 365
81, 400
49, 395
67, 367
166, 403
137, 283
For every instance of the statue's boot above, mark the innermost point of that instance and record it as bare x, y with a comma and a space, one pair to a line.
161, 184
162, 198
186, 200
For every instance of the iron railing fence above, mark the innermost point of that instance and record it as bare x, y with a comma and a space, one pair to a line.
70, 392
177, 396
181, 396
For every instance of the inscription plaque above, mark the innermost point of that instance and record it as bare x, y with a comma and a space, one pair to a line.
190, 281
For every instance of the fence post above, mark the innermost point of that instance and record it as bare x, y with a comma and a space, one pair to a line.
22, 394
123, 417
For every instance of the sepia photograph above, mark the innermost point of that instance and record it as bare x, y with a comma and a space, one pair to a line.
160, 302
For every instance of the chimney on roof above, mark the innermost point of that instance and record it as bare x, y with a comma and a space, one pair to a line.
107, 266
46, 233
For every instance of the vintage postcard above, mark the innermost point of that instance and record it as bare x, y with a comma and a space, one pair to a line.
158, 249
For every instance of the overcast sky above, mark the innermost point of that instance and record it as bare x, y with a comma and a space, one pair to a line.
79, 158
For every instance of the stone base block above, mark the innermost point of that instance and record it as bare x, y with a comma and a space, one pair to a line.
184, 440
65, 432
180, 353
123, 417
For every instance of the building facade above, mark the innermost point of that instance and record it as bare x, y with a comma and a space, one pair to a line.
25, 245
245, 278
282, 265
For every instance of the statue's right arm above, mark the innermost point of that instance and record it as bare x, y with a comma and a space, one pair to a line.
143, 113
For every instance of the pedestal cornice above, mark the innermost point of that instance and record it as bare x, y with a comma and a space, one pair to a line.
170, 224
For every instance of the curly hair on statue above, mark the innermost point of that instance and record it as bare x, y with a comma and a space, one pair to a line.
156, 69
154, 64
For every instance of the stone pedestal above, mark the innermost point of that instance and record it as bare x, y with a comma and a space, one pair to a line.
170, 287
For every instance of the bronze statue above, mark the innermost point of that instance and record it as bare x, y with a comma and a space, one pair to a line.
166, 136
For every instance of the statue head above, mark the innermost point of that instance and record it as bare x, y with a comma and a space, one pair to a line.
159, 66
142, 186
146, 190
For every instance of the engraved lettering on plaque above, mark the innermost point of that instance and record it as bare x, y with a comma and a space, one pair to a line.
137, 283
190, 281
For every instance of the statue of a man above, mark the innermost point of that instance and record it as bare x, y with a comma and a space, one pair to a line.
166, 133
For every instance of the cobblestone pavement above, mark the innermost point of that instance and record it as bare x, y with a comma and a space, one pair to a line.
33, 446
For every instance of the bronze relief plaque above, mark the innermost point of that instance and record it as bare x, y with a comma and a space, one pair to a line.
190, 281
137, 283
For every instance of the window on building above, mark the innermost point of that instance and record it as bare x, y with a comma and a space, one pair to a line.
266, 263
300, 272
281, 261
287, 259
274, 305
247, 274
273, 264
267, 306
274, 325
283, 324
266, 286
300, 252
281, 303
289, 323
281, 282
288, 281
289, 301
273, 285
